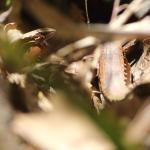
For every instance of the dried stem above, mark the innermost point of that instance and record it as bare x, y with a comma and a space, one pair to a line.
86, 10
115, 10
121, 19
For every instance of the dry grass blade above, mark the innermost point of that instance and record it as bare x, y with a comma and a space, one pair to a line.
139, 127
64, 128
4, 15
133, 7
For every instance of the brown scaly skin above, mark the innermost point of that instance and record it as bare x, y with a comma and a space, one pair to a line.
113, 75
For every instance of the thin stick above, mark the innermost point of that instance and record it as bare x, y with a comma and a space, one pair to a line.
121, 19
115, 10
86, 10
